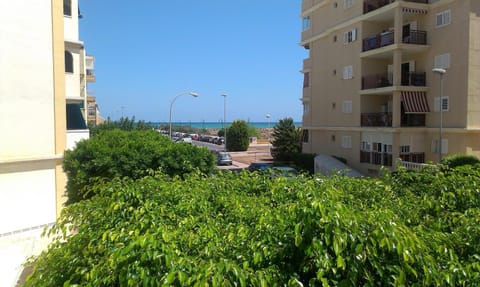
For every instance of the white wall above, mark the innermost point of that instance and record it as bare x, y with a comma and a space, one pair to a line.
74, 136
70, 24
27, 198
26, 79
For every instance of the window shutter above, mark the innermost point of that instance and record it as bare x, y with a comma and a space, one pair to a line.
354, 34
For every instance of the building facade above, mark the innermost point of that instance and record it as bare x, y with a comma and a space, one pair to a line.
369, 93
42, 99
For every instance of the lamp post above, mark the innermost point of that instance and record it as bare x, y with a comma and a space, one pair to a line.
171, 106
268, 127
440, 72
225, 119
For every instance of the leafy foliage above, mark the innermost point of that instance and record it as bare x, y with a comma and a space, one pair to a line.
286, 140
133, 154
459, 160
407, 229
124, 124
237, 136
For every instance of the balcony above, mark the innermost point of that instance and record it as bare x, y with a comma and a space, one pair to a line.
376, 81
378, 41
376, 120
415, 37
415, 79
413, 157
371, 5
376, 158
412, 120
90, 75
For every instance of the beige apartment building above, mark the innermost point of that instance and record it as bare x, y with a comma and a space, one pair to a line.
370, 95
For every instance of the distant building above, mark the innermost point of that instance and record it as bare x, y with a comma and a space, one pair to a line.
43, 100
369, 93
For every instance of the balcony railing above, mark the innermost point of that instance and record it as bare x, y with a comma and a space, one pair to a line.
378, 41
376, 158
376, 119
417, 37
413, 157
370, 5
376, 81
413, 120
417, 79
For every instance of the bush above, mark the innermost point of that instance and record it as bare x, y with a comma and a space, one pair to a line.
411, 229
286, 142
305, 161
459, 160
124, 124
237, 136
133, 154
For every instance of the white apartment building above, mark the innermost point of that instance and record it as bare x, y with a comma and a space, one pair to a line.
42, 95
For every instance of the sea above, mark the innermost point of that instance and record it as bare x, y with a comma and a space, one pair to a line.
219, 125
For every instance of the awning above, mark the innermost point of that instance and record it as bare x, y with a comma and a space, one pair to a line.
414, 10
415, 102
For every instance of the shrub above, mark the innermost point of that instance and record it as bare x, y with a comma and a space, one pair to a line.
237, 136
116, 153
459, 160
305, 161
408, 229
286, 140
123, 123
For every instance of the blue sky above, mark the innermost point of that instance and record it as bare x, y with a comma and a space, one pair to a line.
148, 51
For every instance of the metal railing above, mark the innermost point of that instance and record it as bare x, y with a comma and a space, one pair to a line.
376, 81
417, 79
377, 41
376, 119
418, 37
376, 158
412, 120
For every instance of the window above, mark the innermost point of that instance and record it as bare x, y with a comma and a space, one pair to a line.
67, 7
350, 36
347, 3
443, 19
347, 142
445, 103
404, 149
436, 146
306, 108
306, 80
306, 23
347, 107
68, 62
305, 136
348, 72
442, 61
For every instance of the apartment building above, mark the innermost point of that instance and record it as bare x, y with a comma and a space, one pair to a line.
369, 93
42, 98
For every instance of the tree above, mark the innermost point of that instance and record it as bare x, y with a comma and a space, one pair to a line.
286, 140
132, 154
237, 136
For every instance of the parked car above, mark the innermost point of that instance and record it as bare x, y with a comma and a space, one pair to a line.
259, 166
224, 158
285, 171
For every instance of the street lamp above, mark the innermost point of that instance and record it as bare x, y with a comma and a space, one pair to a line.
225, 119
268, 127
171, 106
440, 72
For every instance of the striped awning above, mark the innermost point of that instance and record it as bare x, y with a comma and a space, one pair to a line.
414, 10
415, 102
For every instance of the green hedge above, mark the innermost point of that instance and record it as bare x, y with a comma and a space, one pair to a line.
132, 154
407, 229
